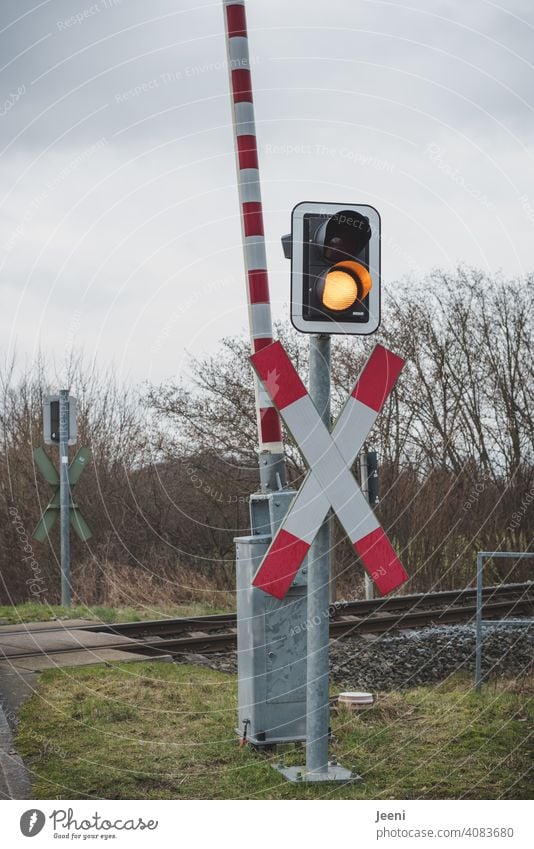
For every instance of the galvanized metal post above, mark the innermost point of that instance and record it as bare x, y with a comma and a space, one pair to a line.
317, 700
478, 647
364, 480
64, 496
333, 586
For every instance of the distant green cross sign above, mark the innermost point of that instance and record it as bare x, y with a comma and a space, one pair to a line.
48, 471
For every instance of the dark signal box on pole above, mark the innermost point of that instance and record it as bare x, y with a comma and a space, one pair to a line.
51, 420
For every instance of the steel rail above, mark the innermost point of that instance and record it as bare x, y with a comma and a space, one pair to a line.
343, 627
360, 607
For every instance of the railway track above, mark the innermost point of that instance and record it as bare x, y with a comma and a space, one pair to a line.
217, 633
359, 608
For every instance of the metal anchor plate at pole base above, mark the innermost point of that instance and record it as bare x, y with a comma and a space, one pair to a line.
334, 772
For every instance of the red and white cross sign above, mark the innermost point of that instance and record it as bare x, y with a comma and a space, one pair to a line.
329, 482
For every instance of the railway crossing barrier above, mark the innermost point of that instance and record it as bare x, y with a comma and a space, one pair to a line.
267, 710
271, 449
282, 677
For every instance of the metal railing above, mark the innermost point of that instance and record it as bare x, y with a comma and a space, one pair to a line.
482, 556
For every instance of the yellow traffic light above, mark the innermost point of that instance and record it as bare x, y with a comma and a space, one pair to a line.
345, 283
340, 290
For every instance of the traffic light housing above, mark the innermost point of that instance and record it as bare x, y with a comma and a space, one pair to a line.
51, 420
335, 268
373, 489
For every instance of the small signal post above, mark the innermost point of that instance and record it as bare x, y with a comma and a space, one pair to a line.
60, 428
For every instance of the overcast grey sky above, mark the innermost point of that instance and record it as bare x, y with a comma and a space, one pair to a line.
119, 217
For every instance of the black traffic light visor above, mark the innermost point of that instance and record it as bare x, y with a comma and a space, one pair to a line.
344, 235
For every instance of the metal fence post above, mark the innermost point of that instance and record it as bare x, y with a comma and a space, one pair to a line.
478, 647
364, 481
317, 700
64, 496
480, 622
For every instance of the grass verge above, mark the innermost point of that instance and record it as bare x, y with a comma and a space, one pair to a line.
166, 731
34, 612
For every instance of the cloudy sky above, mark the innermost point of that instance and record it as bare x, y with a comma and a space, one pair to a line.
119, 228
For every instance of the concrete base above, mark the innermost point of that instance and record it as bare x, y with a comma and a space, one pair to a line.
49, 645
298, 775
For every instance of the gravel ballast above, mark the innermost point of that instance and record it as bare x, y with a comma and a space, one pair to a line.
412, 658
429, 656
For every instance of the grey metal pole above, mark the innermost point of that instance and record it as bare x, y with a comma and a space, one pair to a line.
332, 585
364, 479
64, 495
317, 710
478, 647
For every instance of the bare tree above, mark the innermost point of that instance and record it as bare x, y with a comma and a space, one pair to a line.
174, 464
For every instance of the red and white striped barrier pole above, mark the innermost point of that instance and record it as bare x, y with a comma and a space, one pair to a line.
272, 464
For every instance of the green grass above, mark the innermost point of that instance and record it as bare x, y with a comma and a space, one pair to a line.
164, 731
34, 612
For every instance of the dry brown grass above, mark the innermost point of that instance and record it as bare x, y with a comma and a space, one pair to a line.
117, 585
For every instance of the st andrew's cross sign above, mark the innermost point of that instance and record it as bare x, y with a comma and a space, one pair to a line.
48, 471
330, 482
